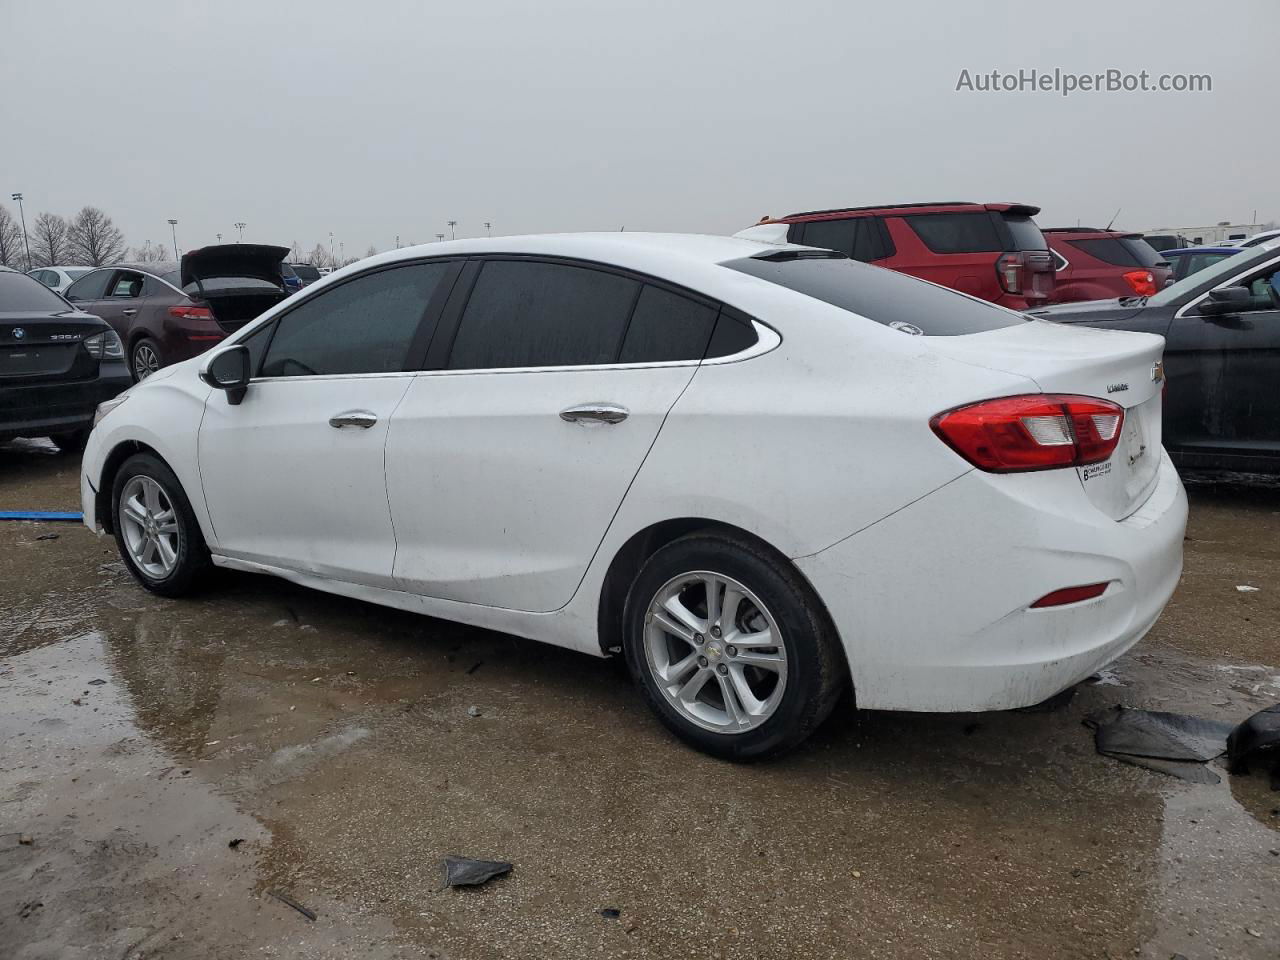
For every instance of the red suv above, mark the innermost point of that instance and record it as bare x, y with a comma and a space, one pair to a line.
1097, 264
993, 251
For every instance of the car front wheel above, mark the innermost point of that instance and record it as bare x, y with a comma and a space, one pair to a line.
730, 647
155, 527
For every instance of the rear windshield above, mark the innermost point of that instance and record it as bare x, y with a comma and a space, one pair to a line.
885, 296
1121, 251
20, 293
75, 273
306, 271
227, 284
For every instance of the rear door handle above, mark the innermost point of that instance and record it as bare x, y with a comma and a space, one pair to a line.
595, 413
353, 418
130, 312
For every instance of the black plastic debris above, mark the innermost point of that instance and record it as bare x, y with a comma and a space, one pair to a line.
611, 913
465, 872
1171, 743
1256, 743
286, 899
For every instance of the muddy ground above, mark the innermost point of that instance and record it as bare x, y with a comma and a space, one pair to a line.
174, 763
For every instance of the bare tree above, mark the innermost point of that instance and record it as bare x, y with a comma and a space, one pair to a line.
319, 257
94, 239
12, 253
372, 251
49, 246
150, 253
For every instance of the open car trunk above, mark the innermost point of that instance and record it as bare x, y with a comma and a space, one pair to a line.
238, 281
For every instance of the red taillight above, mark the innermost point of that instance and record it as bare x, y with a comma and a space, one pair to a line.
1009, 270
1039, 431
1142, 281
191, 313
1071, 595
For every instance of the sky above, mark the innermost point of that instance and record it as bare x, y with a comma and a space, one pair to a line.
374, 119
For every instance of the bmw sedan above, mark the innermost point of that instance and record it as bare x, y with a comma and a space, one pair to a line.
763, 474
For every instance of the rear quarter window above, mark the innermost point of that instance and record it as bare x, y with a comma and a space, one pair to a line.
957, 232
882, 295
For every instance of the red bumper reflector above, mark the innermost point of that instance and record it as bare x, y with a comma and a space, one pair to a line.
1070, 595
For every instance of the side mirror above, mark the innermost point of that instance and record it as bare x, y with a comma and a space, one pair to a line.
228, 370
1226, 300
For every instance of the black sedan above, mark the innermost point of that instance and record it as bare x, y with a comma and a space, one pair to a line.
56, 363
1221, 361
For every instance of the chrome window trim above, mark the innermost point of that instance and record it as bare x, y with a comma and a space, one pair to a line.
767, 339
1059, 257
1183, 310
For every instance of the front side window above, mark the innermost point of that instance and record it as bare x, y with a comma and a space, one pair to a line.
525, 313
92, 286
366, 325
862, 238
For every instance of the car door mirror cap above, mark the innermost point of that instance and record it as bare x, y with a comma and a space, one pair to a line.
227, 369
1225, 300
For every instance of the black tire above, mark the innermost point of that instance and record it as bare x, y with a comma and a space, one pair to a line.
192, 553
816, 671
72, 441
142, 345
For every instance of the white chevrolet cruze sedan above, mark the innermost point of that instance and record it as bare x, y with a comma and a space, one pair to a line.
762, 472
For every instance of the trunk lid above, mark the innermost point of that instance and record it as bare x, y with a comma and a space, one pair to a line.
258, 261
1114, 365
35, 347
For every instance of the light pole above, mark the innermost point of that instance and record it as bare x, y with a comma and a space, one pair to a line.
342, 251
219, 236
452, 224
240, 225
488, 229
331, 248
173, 227
23, 217
439, 236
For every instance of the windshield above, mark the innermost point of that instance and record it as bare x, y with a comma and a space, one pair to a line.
893, 299
20, 293
306, 271
224, 284
1212, 276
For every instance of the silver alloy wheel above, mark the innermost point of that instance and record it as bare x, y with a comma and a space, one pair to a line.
145, 361
150, 527
703, 627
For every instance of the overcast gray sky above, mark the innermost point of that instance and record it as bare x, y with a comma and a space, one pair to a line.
377, 118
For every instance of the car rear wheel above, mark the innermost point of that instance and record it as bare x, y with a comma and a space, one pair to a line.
730, 647
145, 360
155, 527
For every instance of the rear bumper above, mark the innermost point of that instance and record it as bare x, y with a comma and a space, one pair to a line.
949, 627
38, 410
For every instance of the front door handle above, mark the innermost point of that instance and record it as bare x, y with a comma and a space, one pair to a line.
595, 413
353, 418
130, 312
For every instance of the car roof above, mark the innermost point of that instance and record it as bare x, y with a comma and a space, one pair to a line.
934, 206
1067, 233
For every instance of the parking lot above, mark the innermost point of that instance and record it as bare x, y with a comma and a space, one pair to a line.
169, 765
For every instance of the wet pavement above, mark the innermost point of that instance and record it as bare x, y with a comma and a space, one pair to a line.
174, 763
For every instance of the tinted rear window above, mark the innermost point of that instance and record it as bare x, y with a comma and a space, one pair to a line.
1120, 251
957, 232
881, 295
1025, 234
18, 293
306, 271
532, 314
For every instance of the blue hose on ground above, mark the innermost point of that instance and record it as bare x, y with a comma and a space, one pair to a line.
40, 515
